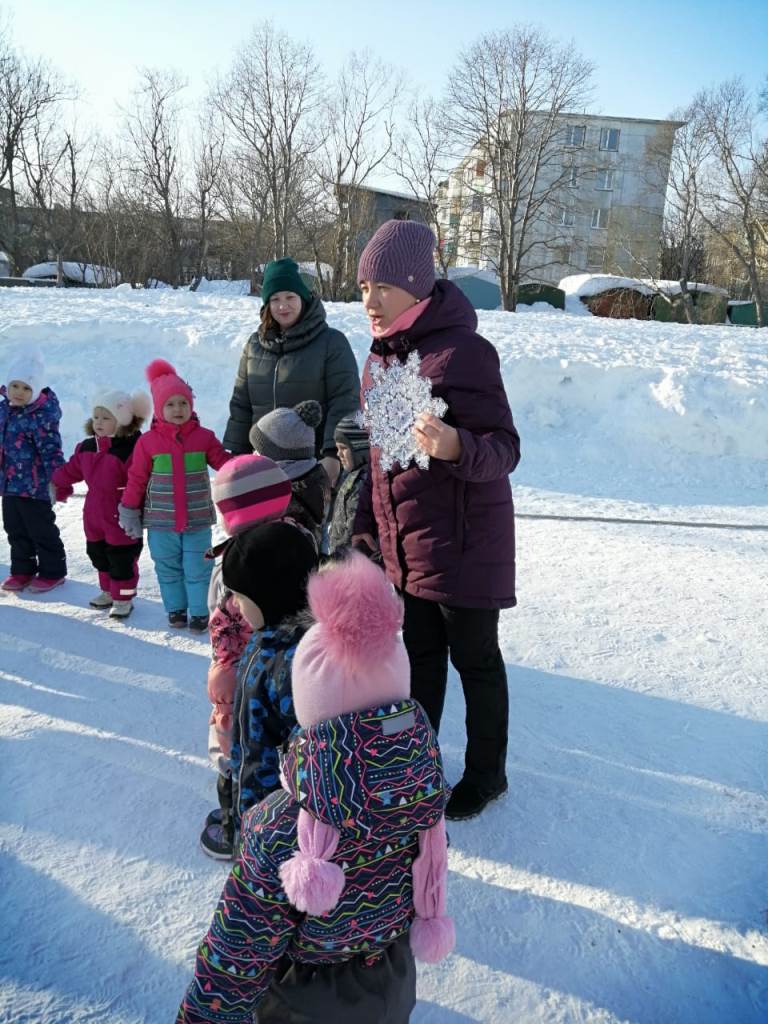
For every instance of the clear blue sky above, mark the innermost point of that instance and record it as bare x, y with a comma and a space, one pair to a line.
650, 56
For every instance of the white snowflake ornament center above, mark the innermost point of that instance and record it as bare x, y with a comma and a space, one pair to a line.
397, 396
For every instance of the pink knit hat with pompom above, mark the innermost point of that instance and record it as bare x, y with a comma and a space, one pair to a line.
164, 382
353, 659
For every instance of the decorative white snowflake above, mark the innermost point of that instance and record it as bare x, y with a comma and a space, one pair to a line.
399, 394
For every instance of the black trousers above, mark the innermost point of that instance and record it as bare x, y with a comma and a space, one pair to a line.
470, 637
224, 793
33, 537
352, 992
117, 560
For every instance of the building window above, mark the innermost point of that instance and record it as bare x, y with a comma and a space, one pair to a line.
563, 255
575, 134
595, 257
609, 139
504, 186
571, 176
480, 169
605, 180
477, 204
600, 217
454, 219
567, 217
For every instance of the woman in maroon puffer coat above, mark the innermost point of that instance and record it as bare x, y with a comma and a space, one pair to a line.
446, 532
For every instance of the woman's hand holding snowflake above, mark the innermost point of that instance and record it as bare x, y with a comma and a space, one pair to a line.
436, 438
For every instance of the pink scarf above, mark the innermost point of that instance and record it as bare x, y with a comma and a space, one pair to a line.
404, 321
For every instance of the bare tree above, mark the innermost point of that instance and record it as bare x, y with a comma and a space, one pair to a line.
244, 199
683, 224
357, 132
731, 193
152, 131
421, 160
28, 90
675, 157
208, 162
506, 98
269, 101
56, 164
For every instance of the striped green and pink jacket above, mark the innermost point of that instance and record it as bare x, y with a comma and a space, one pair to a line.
169, 475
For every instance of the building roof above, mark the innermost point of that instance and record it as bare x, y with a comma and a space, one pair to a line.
389, 192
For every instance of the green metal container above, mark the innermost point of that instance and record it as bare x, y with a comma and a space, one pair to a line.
527, 294
745, 313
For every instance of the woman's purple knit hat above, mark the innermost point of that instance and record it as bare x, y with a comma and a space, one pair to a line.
400, 253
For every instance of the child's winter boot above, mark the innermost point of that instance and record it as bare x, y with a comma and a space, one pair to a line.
217, 843
121, 609
43, 584
17, 581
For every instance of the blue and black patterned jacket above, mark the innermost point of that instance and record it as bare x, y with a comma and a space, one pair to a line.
263, 715
30, 445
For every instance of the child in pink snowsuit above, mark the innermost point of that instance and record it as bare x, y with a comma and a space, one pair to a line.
248, 489
102, 461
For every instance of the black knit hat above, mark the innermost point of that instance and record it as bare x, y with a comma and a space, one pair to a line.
349, 432
270, 564
287, 434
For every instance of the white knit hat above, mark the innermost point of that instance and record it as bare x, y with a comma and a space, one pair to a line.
29, 370
124, 406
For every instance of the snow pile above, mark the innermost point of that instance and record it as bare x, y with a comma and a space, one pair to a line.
584, 285
616, 408
674, 287
207, 287
87, 273
622, 879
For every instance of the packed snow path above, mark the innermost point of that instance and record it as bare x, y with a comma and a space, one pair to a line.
623, 877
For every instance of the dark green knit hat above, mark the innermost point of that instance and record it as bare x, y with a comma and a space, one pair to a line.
283, 276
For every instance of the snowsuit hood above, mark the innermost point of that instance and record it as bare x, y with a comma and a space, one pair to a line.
373, 775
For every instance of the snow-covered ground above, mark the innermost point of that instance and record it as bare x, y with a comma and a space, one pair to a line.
623, 878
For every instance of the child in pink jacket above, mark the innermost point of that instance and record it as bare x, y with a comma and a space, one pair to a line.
169, 493
102, 460
249, 489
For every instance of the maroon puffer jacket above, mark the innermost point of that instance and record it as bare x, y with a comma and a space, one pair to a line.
447, 533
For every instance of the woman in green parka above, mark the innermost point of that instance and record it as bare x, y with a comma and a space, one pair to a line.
294, 356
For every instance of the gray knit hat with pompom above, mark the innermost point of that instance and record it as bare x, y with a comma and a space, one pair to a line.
288, 435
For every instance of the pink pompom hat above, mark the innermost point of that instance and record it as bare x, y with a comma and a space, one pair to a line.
164, 382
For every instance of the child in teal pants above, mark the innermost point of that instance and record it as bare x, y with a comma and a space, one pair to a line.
169, 493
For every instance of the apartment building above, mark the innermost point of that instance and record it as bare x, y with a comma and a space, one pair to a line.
600, 195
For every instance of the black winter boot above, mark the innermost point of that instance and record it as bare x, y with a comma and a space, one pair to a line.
468, 799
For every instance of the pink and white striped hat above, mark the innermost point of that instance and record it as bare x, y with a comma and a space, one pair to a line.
250, 489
